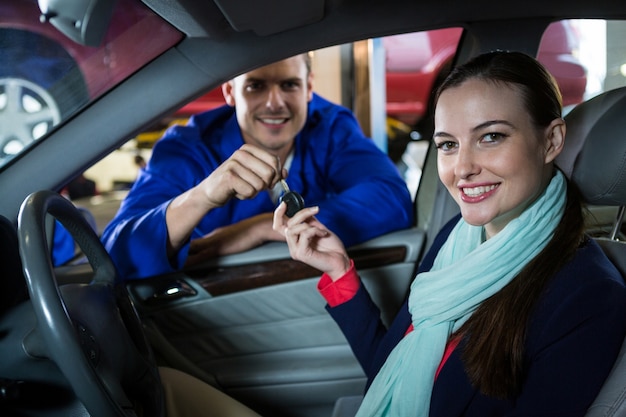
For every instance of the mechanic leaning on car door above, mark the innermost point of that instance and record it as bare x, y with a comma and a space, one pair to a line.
210, 187
514, 310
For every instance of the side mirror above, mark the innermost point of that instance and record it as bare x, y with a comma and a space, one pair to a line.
83, 21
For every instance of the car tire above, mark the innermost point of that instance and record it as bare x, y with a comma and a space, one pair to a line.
37, 90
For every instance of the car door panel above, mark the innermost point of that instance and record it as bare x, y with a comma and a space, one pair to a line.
255, 324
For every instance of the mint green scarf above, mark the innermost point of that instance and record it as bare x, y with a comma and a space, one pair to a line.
465, 272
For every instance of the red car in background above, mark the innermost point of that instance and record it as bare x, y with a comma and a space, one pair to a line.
558, 51
415, 62
33, 96
32, 101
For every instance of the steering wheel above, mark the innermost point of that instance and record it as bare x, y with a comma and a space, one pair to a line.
91, 331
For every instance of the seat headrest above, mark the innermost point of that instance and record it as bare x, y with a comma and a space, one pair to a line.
594, 157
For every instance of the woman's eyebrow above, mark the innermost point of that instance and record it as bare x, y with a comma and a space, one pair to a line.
491, 123
479, 127
441, 135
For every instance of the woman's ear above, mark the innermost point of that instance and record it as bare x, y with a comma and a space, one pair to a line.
555, 139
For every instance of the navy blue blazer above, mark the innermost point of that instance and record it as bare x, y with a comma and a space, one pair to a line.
574, 336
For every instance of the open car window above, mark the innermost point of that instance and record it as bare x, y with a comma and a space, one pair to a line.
413, 65
45, 77
595, 65
586, 56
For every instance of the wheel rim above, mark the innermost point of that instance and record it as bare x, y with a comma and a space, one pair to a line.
27, 112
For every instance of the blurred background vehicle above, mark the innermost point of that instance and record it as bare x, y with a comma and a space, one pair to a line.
45, 76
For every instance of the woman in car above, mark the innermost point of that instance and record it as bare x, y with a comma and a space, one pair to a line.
514, 311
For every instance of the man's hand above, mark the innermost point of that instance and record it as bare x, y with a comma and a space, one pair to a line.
247, 172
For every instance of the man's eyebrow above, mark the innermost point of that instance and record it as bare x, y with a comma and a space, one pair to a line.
292, 80
254, 79
265, 80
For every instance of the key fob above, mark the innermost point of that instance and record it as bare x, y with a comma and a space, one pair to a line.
294, 202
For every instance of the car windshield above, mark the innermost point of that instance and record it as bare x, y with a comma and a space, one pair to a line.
46, 77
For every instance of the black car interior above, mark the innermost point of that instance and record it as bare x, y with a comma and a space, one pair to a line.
597, 157
12, 284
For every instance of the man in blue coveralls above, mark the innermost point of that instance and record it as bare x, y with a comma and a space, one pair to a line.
210, 187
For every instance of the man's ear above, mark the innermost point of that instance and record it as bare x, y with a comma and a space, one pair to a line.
555, 139
227, 91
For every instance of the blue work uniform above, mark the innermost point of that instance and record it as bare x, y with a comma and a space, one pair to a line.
359, 190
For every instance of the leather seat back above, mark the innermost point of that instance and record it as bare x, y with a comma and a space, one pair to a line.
595, 160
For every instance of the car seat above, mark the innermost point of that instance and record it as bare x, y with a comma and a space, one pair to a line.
595, 161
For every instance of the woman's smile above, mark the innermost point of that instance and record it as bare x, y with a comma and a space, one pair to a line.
477, 193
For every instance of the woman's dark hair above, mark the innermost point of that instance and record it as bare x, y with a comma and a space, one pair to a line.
542, 97
494, 353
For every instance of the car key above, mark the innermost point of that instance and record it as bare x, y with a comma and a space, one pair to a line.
294, 200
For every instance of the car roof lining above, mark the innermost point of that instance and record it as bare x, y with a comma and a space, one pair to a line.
219, 19
194, 19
